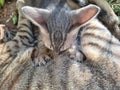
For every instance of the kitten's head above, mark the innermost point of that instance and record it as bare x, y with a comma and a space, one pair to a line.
59, 28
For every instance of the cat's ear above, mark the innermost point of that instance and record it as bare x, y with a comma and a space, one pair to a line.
83, 15
80, 17
36, 15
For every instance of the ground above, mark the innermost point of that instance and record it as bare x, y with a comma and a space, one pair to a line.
7, 13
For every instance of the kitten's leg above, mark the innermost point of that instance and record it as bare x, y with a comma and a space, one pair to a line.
24, 36
41, 55
5, 34
2, 33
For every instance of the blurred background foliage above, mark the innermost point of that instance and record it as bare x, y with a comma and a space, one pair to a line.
115, 5
2, 3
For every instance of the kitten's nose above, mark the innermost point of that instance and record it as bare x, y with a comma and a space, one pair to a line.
57, 51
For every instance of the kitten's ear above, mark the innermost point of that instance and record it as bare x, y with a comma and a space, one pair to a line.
36, 15
83, 15
80, 17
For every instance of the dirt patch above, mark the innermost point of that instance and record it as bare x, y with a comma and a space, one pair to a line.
7, 12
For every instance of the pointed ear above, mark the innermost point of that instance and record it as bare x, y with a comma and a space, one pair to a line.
83, 15
36, 15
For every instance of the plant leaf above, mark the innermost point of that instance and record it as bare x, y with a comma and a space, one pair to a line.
15, 19
2, 2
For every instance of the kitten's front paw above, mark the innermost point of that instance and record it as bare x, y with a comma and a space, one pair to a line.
41, 60
75, 54
38, 58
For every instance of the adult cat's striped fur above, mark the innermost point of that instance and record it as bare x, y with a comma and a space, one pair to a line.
97, 42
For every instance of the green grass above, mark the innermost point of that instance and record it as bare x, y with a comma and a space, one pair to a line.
2, 2
115, 4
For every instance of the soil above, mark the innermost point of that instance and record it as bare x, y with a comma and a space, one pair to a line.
7, 13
